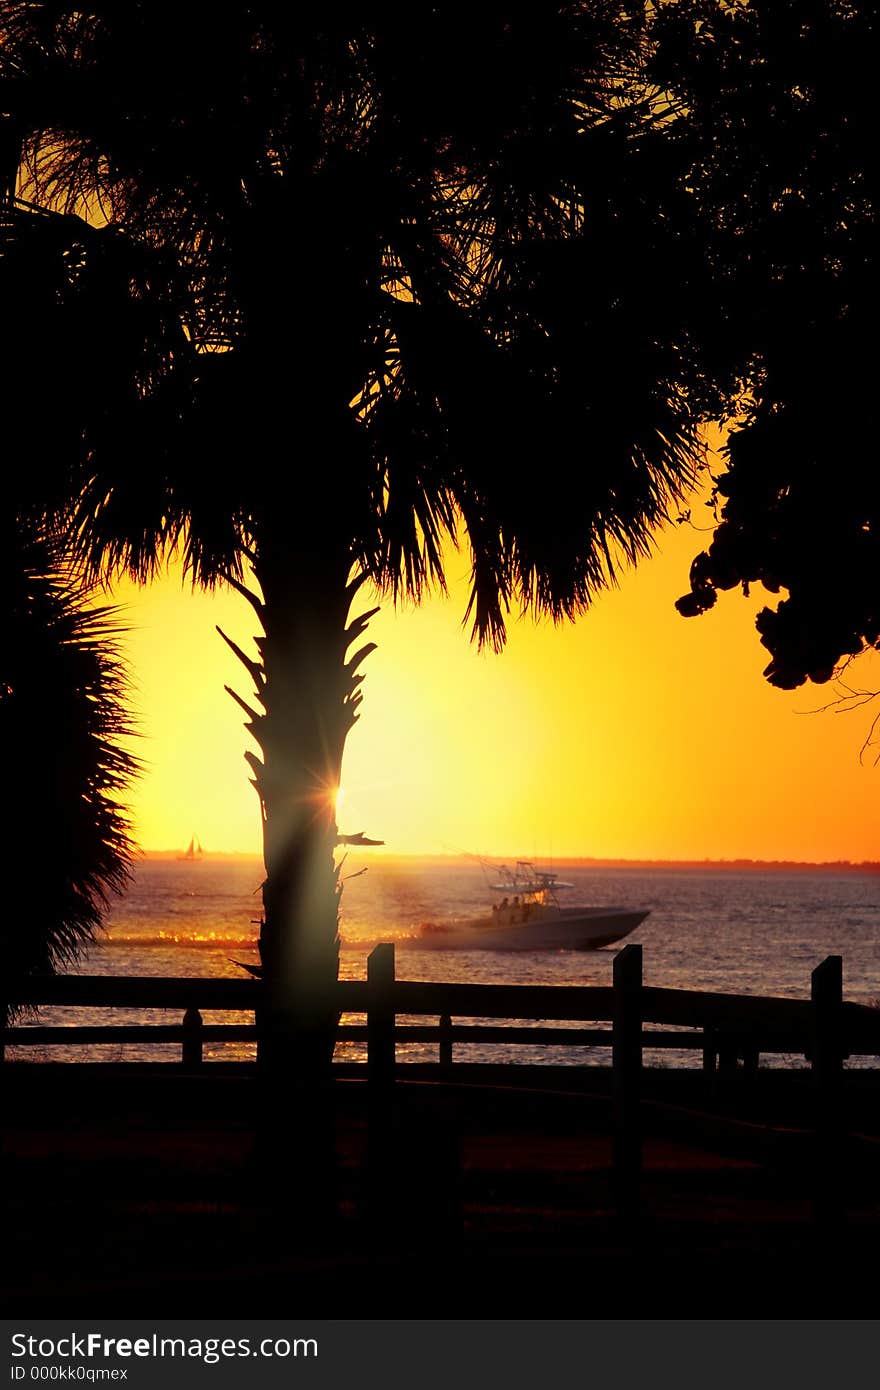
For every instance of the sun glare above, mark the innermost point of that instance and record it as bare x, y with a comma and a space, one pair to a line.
570, 740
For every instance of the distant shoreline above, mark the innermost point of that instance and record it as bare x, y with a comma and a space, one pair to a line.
838, 866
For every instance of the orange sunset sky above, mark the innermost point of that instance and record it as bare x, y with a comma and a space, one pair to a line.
633, 733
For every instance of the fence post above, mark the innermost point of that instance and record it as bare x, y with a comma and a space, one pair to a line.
826, 1060
380, 1017
626, 1085
191, 1051
445, 1049
380, 1085
727, 1056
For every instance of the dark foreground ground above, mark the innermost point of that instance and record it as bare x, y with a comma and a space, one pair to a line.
139, 1192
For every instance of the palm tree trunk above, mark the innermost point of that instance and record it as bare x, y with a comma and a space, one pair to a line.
309, 696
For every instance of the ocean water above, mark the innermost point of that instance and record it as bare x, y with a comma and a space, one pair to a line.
756, 931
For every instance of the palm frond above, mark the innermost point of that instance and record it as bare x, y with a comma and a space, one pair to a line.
65, 734
352, 265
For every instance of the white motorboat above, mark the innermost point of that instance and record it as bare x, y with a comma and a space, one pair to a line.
529, 917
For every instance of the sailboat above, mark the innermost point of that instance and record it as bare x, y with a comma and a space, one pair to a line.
194, 852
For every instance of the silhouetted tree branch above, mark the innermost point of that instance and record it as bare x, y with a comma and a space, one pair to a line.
852, 698
777, 97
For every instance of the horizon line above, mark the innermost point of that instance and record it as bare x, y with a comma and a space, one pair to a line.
600, 861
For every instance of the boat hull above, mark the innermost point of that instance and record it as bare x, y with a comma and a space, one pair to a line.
535, 929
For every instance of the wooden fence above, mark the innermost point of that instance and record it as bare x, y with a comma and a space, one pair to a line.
729, 1031
726, 1029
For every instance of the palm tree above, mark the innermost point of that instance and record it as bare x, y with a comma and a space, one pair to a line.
62, 717
318, 291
